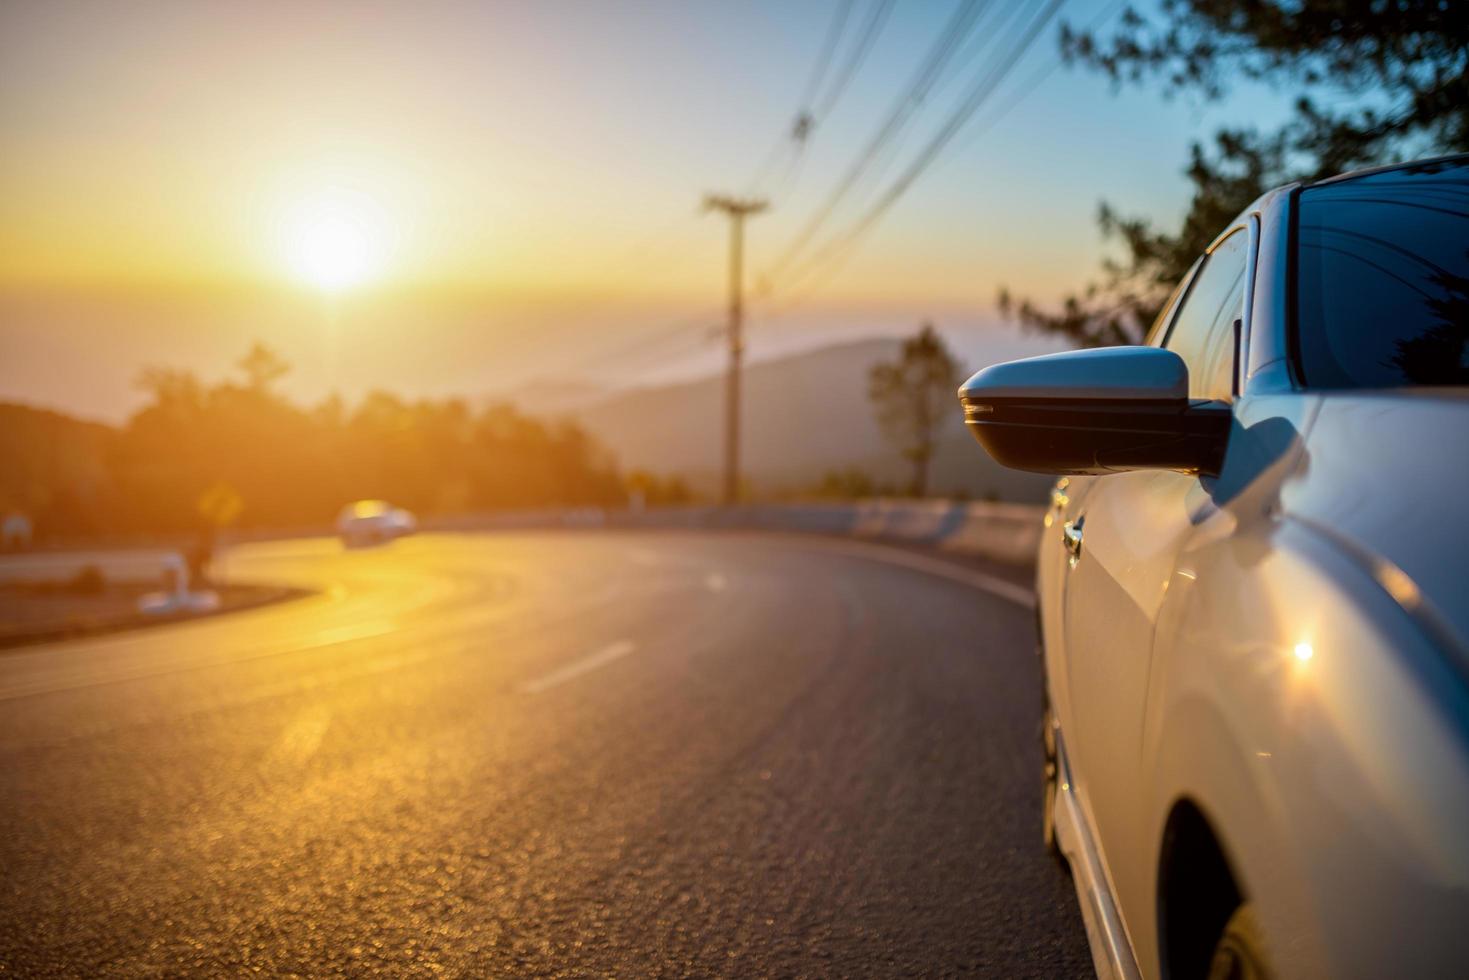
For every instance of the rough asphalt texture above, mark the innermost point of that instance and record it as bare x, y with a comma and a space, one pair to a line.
554, 754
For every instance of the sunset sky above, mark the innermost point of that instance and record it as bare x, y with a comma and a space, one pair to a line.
460, 198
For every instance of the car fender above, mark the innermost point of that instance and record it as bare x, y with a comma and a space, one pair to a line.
1324, 736
1201, 759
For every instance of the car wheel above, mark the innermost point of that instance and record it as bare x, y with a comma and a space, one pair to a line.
1240, 954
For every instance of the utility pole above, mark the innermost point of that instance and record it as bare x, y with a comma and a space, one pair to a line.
738, 210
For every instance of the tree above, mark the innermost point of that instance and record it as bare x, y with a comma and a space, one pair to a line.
655, 491
1378, 81
210, 453
262, 367
913, 397
846, 484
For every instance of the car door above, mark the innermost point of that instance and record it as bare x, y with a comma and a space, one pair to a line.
1126, 532
1053, 559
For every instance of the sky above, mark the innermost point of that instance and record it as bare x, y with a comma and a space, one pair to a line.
467, 198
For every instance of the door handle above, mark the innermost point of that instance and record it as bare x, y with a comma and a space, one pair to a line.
1071, 533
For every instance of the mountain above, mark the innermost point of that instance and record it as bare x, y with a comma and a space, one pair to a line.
804, 415
545, 398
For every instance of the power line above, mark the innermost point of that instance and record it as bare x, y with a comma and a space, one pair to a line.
828, 48
793, 141
978, 93
987, 32
657, 337
960, 23
792, 174
699, 327
1035, 79
839, 248
877, 16
796, 136
783, 145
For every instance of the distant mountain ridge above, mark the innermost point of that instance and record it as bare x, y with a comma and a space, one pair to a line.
804, 415
546, 398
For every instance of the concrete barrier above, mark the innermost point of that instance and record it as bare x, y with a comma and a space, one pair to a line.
166, 569
133, 567
1003, 532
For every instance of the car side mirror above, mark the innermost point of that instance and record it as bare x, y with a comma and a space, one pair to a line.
1095, 411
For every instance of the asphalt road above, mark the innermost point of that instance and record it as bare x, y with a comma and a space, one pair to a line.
554, 754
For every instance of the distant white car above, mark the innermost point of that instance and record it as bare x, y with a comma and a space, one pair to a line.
373, 522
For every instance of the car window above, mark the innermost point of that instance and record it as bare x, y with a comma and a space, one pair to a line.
1203, 332
1159, 329
1382, 276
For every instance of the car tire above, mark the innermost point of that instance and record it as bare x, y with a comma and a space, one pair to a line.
1240, 952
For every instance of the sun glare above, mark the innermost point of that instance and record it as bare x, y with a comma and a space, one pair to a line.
336, 240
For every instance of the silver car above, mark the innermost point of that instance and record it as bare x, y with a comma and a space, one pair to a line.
1253, 601
369, 522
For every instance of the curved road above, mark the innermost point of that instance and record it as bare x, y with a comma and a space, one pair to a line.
542, 754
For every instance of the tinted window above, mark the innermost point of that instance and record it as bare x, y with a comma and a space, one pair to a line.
1383, 279
1203, 332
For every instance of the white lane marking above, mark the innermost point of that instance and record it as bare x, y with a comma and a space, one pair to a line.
576, 668
715, 582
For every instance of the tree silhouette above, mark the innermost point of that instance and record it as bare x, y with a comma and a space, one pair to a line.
1437, 355
263, 367
913, 397
1403, 68
242, 453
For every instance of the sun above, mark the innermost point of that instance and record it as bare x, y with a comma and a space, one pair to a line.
335, 239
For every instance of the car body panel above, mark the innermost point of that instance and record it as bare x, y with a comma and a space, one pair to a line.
1132, 586
1135, 524
1334, 771
1236, 721
1112, 953
1419, 447
1283, 647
